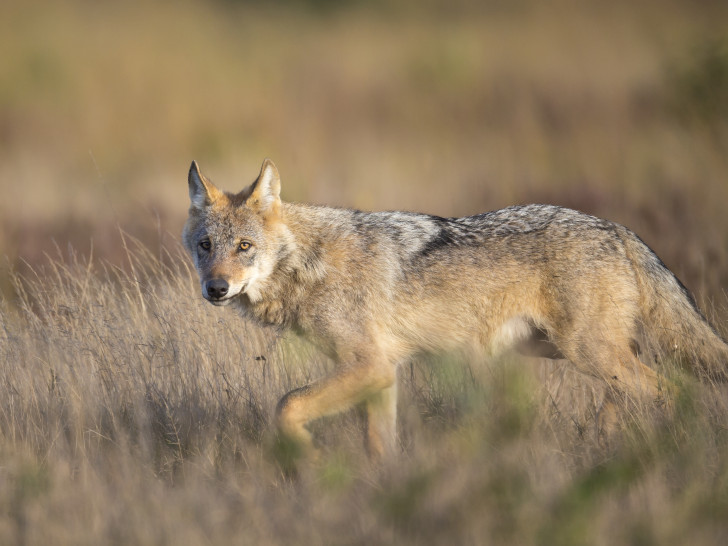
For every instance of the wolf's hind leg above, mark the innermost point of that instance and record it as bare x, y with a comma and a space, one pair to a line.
635, 381
634, 378
614, 361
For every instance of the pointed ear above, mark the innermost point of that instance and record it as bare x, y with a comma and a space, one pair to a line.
265, 196
202, 191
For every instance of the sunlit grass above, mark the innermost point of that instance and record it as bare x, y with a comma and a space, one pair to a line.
134, 412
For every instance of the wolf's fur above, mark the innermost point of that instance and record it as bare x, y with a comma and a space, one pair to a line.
372, 289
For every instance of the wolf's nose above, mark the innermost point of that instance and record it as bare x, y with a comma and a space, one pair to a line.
217, 288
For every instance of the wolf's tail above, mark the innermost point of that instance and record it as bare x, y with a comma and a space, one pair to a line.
672, 321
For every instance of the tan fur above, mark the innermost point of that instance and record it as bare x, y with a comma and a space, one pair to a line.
372, 289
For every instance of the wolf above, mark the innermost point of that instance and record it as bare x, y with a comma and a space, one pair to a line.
372, 289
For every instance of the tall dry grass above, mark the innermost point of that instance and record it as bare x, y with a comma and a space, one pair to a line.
133, 412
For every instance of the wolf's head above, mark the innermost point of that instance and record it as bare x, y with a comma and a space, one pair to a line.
235, 240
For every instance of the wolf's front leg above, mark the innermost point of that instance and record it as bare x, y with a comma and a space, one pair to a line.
381, 431
336, 393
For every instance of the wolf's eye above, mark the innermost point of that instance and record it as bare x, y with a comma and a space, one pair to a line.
205, 245
244, 246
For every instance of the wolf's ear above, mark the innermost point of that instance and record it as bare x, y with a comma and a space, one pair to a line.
202, 191
265, 195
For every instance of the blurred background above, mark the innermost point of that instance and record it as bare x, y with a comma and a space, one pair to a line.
450, 107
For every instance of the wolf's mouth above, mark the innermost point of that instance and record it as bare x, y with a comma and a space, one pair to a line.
226, 299
220, 302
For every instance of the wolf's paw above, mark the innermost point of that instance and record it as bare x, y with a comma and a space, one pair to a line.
289, 453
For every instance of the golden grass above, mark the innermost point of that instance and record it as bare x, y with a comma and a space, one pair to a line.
134, 412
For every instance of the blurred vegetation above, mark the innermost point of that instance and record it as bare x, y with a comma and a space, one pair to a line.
119, 423
700, 85
452, 108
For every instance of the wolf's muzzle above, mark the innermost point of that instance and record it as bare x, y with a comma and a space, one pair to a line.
216, 289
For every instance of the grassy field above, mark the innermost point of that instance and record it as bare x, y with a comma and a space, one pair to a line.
133, 412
